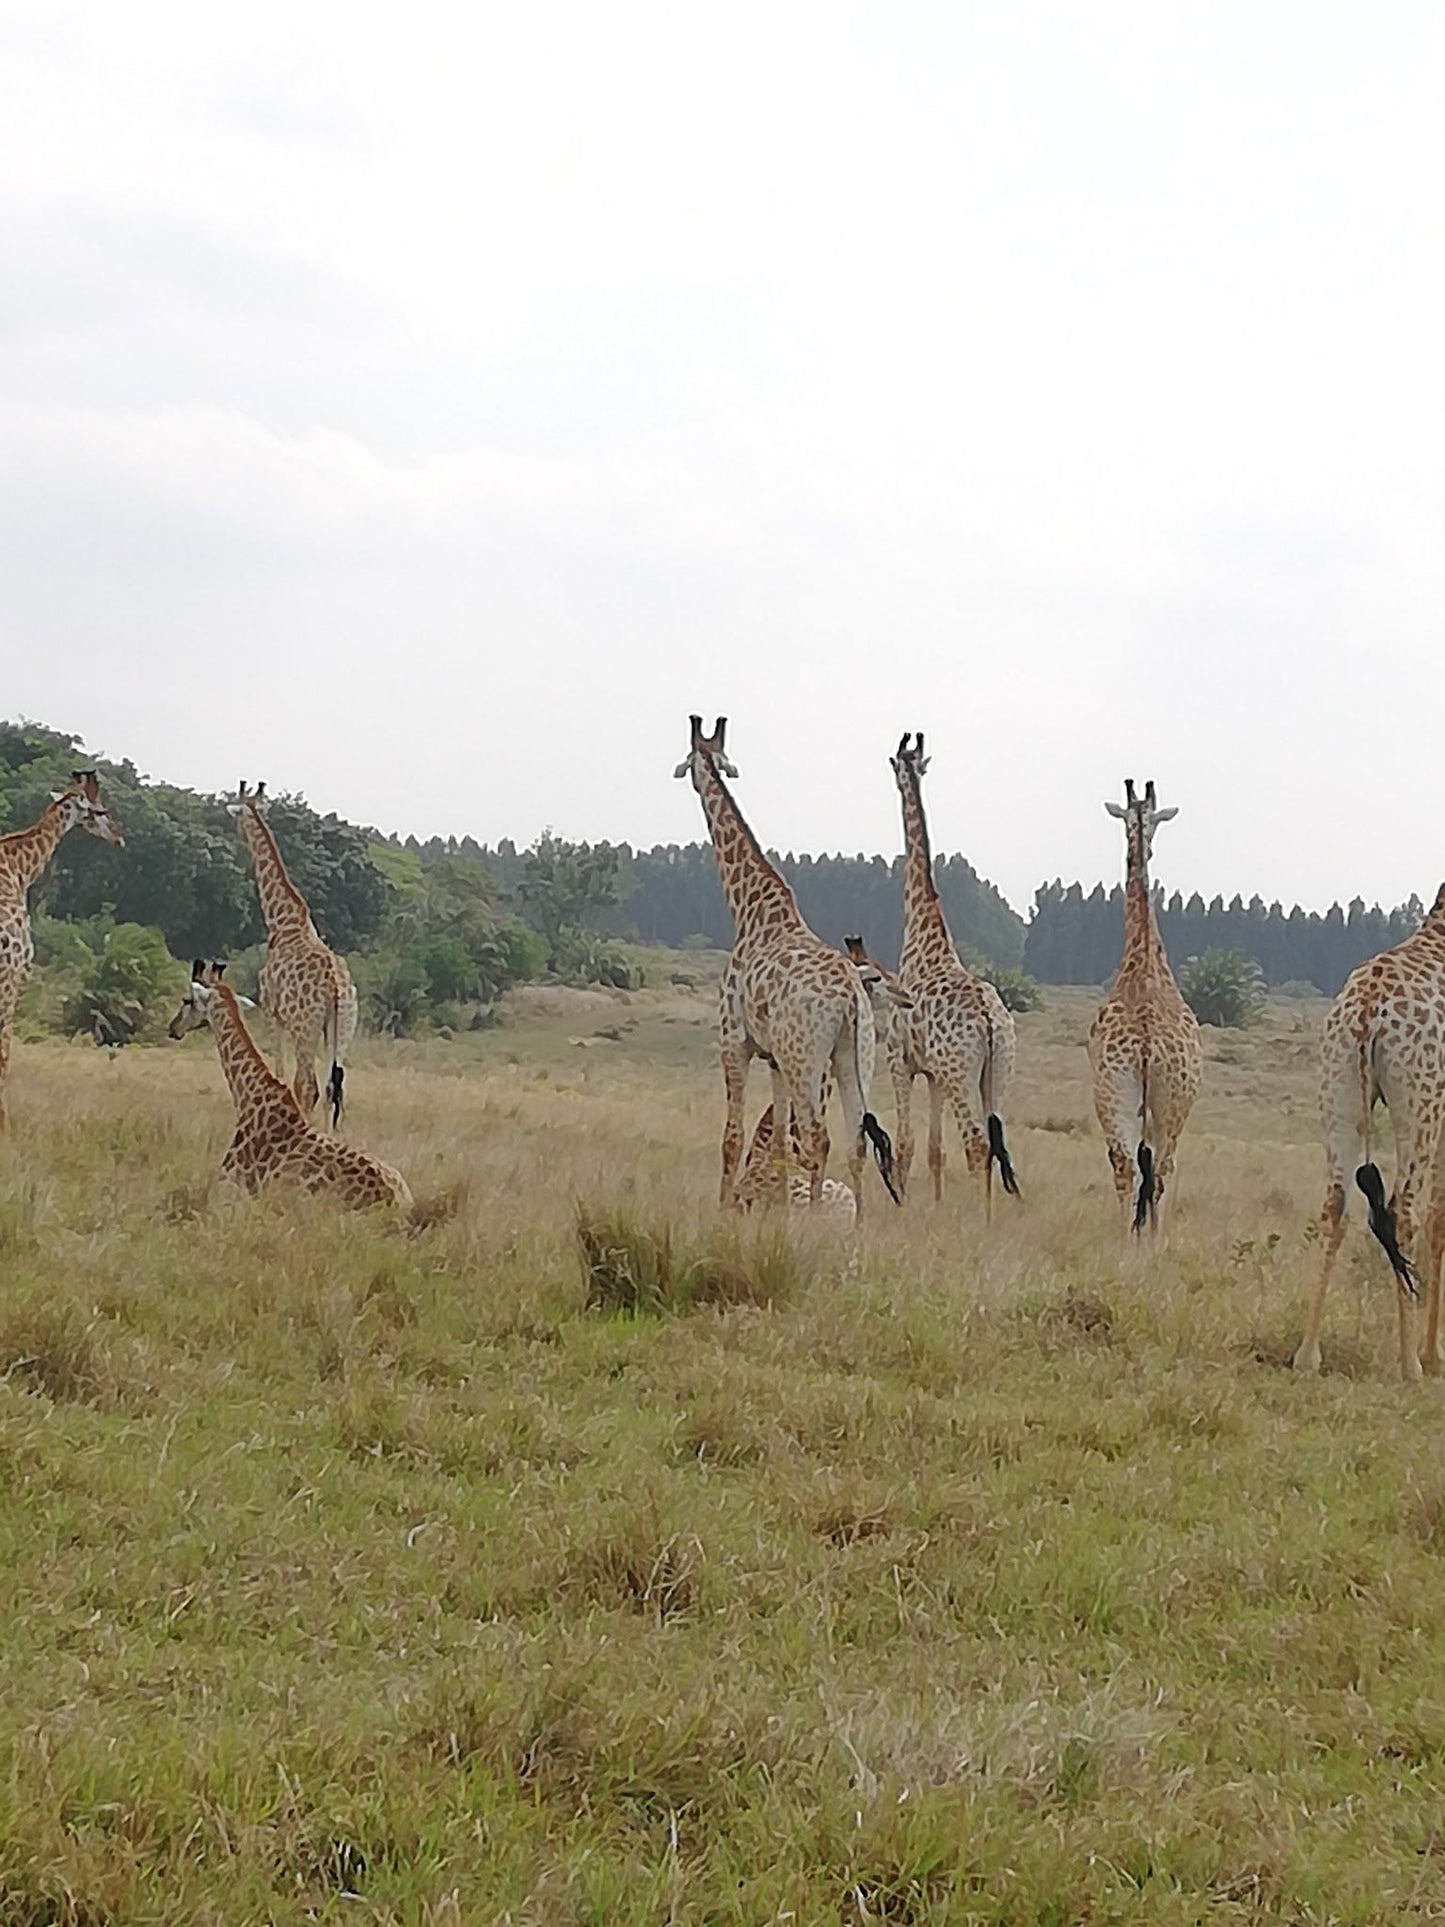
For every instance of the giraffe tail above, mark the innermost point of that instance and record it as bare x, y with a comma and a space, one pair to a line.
1382, 1223
882, 1153
336, 1081
998, 1154
1147, 1191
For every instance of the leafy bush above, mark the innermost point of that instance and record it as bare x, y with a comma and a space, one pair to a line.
1300, 990
582, 957
1223, 987
117, 981
1018, 990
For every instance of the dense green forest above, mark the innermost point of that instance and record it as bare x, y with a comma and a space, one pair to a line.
1074, 938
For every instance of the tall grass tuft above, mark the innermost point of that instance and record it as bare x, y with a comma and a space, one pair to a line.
634, 1266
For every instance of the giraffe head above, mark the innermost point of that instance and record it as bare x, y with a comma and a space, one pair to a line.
256, 801
706, 753
909, 764
82, 803
883, 988
1140, 816
200, 998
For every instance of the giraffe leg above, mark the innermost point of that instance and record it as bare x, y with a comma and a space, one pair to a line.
1430, 1255
935, 1138
1405, 1303
304, 1087
4, 1070
1332, 1231
735, 1062
903, 1105
776, 1177
969, 1120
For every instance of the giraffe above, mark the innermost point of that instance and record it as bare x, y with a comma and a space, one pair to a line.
759, 1179
1144, 1046
1384, 1038
274, 1143
23, 856
760, 1167
959, 1034
304, 986
787, 997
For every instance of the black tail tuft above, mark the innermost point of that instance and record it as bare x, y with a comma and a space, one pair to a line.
333, 1090
1147, 1192
882, 1152
1382, 1223
998, 1154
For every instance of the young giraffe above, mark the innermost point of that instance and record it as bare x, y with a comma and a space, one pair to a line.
274, 1143
760, 1167
1384, 1038
23, 856
304, 986
959, 1035
787, 997
1144, 1044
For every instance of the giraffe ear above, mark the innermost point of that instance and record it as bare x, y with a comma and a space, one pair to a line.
1163, 816
854, 947
198, 970
1116, 809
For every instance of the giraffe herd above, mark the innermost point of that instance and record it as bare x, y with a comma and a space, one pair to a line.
815, 1015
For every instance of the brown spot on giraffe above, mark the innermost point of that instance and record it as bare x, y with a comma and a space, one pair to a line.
1144, 1044
23, 856
958, 1034
303, 986
274, 1143
1384, 1039
786, 997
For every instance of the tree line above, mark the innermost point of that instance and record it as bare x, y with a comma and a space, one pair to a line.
1076, 938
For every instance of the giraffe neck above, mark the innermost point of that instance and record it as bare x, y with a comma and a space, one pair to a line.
25, 854
251, 1080
282, 904
757, 896
925, 928
1143, 950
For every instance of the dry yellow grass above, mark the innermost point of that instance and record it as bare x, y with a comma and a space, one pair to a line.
356, 1575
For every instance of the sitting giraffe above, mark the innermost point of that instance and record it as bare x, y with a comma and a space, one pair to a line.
787, 996
1144, 1043
960, 1035
23, 856
1384, 1038
274, 1143
304, 986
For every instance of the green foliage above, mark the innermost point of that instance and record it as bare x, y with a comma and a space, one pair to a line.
1018, 990
1223, 987
566, 888
118, 981
582, 957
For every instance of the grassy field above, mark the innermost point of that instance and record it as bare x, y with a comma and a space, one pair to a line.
368, 1577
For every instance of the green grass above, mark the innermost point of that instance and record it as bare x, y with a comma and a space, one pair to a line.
955, 1576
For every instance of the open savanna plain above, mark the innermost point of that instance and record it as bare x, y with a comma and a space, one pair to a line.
940, 1574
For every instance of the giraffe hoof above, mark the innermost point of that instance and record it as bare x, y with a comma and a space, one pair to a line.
1307, 1358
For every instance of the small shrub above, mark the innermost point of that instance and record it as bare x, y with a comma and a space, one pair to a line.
1223, 987
1300, 990
630, 1266
1018, 990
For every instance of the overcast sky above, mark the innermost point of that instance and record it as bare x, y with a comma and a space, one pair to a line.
427, 408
